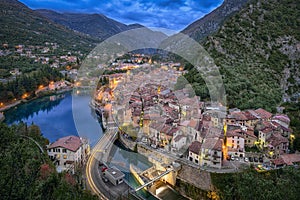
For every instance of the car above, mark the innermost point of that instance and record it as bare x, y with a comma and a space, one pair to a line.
237, 159
105, 180
232, 158
261, 159
100, 164
250, 159
246, 159
104, 169
255, 159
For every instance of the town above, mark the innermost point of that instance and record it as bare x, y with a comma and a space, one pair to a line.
150, 111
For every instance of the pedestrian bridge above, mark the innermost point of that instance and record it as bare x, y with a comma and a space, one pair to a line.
153, 180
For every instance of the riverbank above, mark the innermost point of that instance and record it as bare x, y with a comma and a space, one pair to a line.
40, 94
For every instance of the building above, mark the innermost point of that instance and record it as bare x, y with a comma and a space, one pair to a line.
263, 114
115, 176
277, 145
235, 143
194, 152
179, 142
211, 153
68, 152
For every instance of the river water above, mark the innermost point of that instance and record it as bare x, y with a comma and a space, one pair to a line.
62, 115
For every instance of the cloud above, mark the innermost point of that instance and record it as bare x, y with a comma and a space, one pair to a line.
170, 14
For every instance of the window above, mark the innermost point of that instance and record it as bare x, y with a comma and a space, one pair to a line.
64, 150
238, 142
49, 150
58, 150
196, 161
248, 141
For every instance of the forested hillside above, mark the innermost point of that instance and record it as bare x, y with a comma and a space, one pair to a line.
28, 173
257, 51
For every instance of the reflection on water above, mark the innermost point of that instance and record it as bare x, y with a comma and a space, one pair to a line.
54, 115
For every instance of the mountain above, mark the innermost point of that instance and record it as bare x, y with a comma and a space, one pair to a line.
21, 25
257, 51
95, 25
212, 21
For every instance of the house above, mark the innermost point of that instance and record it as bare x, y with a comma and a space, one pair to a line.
263, 114
249, 137
179, 142
211, 152
263, 135
277, 145
68, 152
235, 143
286, 160
194, 152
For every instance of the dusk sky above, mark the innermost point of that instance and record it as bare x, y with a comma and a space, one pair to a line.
170, 14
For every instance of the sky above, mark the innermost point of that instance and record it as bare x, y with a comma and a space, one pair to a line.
167, 14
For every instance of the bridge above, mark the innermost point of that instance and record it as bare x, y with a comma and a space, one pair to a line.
153, 180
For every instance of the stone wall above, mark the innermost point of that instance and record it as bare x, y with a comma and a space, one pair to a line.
197, 177
126, 142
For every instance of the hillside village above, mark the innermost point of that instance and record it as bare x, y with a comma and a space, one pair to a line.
150, 111
43, 54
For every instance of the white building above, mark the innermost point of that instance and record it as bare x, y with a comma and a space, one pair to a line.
68, 152
178, 142
194, 152
235, 143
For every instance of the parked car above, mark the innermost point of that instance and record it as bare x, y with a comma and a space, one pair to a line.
232, 158
255, 159
100, 164
104, 169
246, 159
261, 159
105, 180
237, 159
250, 159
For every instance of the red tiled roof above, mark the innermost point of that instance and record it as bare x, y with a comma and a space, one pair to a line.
289, 159
278, 161
195, 147
276, 139
263, 113
232, 133
238, 116
212, 143
71, 143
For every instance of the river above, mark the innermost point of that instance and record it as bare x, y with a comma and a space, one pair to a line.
62, 115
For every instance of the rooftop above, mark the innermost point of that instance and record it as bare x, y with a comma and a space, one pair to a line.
195, 147
115, 173
71, 143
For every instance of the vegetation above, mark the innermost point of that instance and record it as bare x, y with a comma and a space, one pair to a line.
253, 185
30, 28
253, 48
28, 173
27, 84
191, 191
293, 111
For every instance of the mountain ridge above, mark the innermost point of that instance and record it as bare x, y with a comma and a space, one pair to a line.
211, 22
95, 25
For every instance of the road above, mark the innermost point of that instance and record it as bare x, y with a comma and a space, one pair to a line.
99, 152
